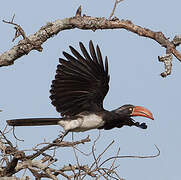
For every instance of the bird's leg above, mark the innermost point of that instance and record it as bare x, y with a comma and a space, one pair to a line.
63, 135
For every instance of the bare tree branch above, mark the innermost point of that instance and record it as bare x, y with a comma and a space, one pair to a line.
139, 157
177, 40
114, 8
167, 60
18, 28
34, 41
58, 143
14, 161
9, 142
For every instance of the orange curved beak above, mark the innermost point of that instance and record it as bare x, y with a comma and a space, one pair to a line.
141, 111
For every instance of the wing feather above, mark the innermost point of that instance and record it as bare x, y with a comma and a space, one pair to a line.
92, 52
81, 82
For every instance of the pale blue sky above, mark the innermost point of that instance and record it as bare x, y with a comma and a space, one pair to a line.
134, 70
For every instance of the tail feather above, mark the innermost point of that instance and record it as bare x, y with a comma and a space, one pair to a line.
33, 122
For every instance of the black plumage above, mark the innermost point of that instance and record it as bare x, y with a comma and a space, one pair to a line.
80, 86
81, 83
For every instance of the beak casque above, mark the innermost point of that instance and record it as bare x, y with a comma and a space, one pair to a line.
141, 111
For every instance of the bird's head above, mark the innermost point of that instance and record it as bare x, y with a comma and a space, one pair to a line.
127, 111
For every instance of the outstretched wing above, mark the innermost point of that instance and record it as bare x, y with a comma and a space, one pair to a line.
81, 82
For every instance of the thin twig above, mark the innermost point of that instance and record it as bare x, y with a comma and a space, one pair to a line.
112, 166
138, 157
13, 18
76, 157
16, 136
44, 149
73, 170
57, 172
94, 156
18, 28
96, 160
99, 157
2, 133
93, 148
58, 143
114, 8
85, 154
108, 172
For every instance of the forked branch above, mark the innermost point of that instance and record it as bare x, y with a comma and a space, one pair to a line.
34, 41
40, 163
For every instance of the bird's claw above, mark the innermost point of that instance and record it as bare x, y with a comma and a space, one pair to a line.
142, 125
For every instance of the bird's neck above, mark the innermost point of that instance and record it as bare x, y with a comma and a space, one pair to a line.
112, 120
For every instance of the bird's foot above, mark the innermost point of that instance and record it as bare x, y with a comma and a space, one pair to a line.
141, 125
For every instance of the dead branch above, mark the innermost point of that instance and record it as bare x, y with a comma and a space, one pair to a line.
4, 137
167, 60
11, 166
34, 41
177, 40
58, 143
14, 161
18, 28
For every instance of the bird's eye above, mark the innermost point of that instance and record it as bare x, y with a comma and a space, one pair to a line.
130, 109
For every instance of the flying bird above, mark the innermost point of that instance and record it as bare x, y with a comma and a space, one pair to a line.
80, 86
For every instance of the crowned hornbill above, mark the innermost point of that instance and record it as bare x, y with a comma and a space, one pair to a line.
78, 91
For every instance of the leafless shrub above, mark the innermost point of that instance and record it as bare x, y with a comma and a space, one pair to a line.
40, 162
